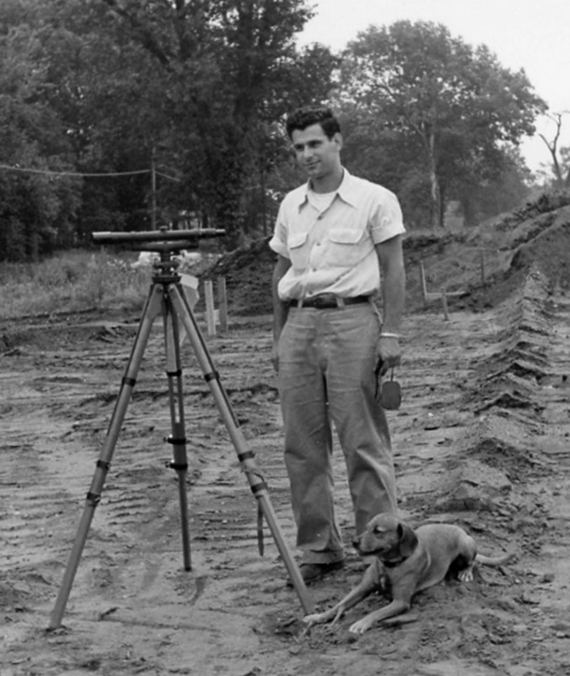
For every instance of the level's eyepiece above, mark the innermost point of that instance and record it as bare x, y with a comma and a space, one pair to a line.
158, 240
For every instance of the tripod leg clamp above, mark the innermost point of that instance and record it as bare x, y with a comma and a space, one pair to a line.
93, 499
258, 488
176, 441
173, 464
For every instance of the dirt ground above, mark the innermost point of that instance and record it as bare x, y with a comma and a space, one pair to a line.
481, 440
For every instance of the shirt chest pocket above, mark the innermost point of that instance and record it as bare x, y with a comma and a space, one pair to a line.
298, 249
348, 246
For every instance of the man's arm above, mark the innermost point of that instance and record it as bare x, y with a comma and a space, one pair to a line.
280, 308
391, 259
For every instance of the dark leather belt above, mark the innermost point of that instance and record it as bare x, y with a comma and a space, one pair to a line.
325, 301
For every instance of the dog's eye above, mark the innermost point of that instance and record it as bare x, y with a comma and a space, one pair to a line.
378, 530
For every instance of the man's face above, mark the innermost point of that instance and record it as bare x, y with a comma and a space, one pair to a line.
316, 153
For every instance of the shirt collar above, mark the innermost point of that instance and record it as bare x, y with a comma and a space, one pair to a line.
346, 190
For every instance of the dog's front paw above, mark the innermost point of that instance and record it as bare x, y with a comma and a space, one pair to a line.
466, 575
315, 618
358, 628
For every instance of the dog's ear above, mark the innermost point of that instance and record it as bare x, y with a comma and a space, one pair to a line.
407, 539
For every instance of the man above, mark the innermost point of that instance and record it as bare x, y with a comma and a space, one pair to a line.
333, 236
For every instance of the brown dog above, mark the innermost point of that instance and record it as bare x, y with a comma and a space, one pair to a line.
406, 561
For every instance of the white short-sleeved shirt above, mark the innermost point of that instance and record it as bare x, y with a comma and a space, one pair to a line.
333, 250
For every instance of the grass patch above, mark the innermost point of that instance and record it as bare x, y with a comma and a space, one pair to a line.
72, 282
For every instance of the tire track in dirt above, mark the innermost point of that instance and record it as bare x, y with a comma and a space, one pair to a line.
41, 494
134, 544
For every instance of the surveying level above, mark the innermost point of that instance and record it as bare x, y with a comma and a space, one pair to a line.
158, 240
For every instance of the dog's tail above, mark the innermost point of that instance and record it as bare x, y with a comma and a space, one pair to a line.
495, 561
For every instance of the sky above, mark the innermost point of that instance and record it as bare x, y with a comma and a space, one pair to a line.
533, 35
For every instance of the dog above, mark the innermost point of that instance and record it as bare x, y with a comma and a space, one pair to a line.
405, 562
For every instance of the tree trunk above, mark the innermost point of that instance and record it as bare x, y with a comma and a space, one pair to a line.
434, 184
442, 202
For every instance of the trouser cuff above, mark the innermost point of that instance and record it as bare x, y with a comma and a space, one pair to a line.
323, 557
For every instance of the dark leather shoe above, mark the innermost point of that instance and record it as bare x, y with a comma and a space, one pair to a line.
312, 572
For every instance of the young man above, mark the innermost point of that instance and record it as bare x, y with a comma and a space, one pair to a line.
333, 236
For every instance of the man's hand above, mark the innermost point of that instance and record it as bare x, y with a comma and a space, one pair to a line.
389, 354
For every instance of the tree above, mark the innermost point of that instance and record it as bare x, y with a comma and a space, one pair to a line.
36, 208
560, 156
454, 105
225, 65
501, 190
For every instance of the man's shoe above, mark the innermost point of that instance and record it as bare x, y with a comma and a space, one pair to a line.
312, 572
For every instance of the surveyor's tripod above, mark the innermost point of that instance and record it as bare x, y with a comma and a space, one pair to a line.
167, 298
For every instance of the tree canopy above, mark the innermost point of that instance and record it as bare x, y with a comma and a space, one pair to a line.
126, 114
453, 110
186, 92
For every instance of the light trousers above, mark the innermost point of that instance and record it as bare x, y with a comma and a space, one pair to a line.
326, 377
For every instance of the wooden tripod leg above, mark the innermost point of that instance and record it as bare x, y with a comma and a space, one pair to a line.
177, 439
151, 310
245, 455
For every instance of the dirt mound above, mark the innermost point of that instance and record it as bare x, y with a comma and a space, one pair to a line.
536, 235
247, 271
549, 251
490, 263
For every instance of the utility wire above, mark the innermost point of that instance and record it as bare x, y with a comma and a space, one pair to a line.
73, 173
170, 178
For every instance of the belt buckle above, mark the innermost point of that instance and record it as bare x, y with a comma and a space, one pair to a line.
325, 300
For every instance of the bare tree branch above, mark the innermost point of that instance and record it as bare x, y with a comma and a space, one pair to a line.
553, 148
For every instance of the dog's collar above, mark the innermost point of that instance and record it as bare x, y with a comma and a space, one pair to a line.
394, 562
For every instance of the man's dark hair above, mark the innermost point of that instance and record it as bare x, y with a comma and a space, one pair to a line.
309, 115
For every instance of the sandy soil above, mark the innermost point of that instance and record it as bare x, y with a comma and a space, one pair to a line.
481, 440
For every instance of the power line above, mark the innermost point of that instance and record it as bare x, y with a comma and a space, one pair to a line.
74, 173
170, 178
